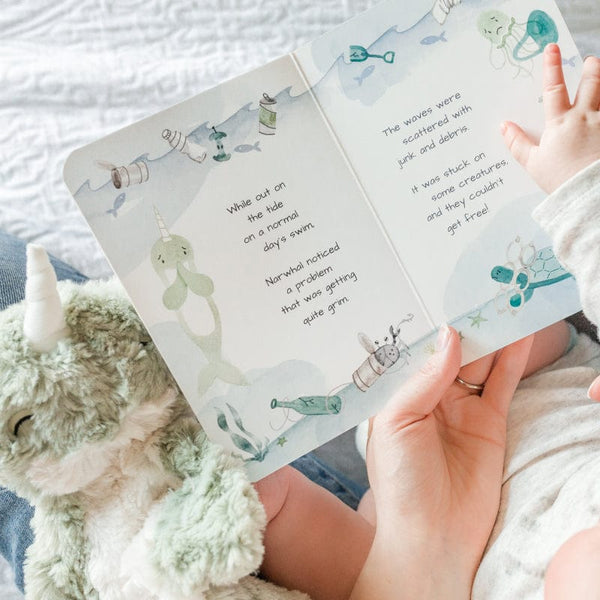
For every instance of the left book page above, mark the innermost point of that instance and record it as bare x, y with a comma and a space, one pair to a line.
246, 246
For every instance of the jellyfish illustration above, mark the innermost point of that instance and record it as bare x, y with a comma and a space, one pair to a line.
516, 43
526, 270
175, 253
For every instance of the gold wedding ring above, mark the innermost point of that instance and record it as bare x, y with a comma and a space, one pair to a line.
476, 387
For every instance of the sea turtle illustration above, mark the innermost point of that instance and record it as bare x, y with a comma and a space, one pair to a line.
174, 253
542, 269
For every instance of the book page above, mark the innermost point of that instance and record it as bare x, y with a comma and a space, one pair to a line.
249, 251
417, 104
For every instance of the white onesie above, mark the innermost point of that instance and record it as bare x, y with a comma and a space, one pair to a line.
551, 483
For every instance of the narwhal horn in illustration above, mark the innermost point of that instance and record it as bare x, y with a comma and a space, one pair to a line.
164, 232
44, 323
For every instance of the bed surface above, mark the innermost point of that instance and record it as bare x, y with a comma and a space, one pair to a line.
74, 71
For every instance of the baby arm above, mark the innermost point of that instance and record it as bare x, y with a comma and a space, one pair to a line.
313, 541
566, 163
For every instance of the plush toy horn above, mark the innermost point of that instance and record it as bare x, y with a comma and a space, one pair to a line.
44, 322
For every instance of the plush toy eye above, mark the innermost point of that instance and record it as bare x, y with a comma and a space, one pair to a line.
17, 421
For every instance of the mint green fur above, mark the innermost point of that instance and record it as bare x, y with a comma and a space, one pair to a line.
209, 534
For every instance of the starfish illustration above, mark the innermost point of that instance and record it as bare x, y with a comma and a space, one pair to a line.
281, 441
477, 319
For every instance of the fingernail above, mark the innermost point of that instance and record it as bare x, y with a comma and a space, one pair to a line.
443, 338
552, 48
593, 392
503, 127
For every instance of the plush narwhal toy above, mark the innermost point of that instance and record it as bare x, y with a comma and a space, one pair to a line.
131, 499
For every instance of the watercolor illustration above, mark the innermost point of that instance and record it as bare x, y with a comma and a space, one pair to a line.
516, 43
217, 137
175, 253
117, 204
134, 173
434, 39
311, 405
245, 441
180, 142
442, 8
360, 54
381, 357
267, 115
526, 270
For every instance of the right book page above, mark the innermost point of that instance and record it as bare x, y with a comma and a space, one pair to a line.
415, 93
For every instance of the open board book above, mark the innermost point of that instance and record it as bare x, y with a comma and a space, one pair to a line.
294, 237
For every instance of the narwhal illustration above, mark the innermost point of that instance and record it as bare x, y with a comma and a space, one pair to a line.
173, 252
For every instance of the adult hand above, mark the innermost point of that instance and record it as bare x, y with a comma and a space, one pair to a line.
435, 458
571, 137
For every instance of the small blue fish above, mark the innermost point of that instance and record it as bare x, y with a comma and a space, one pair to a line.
119, 201
432, 39
366, 72
569, 61
248, 147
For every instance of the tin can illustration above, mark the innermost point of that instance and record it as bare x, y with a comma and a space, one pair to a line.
368, 373
267, 115
136, 172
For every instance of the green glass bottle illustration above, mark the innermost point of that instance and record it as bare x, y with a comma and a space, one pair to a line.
311, 405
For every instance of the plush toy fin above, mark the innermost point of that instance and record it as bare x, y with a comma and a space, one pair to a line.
44, 323
210, 530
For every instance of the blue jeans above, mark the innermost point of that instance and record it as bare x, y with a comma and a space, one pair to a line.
15, 513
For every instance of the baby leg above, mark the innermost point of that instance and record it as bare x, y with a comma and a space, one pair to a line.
313, 542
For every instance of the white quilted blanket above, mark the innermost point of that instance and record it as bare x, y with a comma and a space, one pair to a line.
72, 71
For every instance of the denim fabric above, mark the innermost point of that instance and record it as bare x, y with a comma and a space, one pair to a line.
15, 513
327, 477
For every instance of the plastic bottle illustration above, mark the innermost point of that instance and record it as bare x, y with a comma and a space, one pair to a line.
441, 8
311, 405
181, 142
267, 115
175, 253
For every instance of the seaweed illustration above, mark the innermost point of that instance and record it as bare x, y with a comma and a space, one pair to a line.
248, 442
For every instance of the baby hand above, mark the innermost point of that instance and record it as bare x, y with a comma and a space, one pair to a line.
571, 137
594, 391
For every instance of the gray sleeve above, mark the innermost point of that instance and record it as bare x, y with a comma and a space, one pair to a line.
571, 216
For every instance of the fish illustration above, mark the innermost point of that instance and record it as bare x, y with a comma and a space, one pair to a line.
366, 72
432, 39
119, 201
248, 147
569, 61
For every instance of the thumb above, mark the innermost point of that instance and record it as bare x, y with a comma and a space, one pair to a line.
518, 142
423, 391
594, 391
